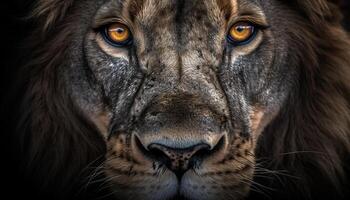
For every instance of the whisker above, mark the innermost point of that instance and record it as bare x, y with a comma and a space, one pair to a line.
259, 188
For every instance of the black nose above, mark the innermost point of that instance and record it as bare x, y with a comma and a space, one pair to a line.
179, 160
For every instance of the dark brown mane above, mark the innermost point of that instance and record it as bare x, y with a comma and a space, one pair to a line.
313, 142
51, 11
52, 133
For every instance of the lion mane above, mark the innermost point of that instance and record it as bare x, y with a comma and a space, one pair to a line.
56, 147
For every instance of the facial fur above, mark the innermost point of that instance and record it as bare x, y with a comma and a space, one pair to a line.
182, 81
184, 113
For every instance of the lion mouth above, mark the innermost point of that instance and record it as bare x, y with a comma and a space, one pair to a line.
181, 162
198, 171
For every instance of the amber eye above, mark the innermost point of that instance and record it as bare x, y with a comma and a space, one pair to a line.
241, 33
118, 34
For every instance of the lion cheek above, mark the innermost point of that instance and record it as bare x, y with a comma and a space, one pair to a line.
217, 185
140, 184
101, 121
259, 119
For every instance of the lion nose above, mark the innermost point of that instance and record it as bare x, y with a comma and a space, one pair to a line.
179, 160
180, 133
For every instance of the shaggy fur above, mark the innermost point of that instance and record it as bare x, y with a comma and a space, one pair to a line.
57, 146
315, 127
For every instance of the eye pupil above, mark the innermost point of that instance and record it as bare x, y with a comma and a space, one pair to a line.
120, 30
240, 29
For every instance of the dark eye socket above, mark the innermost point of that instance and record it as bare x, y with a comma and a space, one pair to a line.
242, 33
117, 34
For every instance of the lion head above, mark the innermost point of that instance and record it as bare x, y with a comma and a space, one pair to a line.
180, 99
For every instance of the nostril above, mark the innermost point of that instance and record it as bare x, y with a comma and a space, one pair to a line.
152, 152
176, 159
158, 154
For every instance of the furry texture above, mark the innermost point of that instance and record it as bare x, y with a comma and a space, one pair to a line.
51, 11
314, 126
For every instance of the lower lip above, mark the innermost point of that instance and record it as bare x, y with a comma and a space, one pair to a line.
181, 189
187, 188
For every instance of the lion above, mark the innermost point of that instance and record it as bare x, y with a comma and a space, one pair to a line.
201, 99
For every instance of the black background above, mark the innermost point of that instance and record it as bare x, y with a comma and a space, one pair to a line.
14, 29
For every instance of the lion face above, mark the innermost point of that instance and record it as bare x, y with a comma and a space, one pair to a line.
182, 90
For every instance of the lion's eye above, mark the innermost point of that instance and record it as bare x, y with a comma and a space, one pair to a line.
241, 33
118, 34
